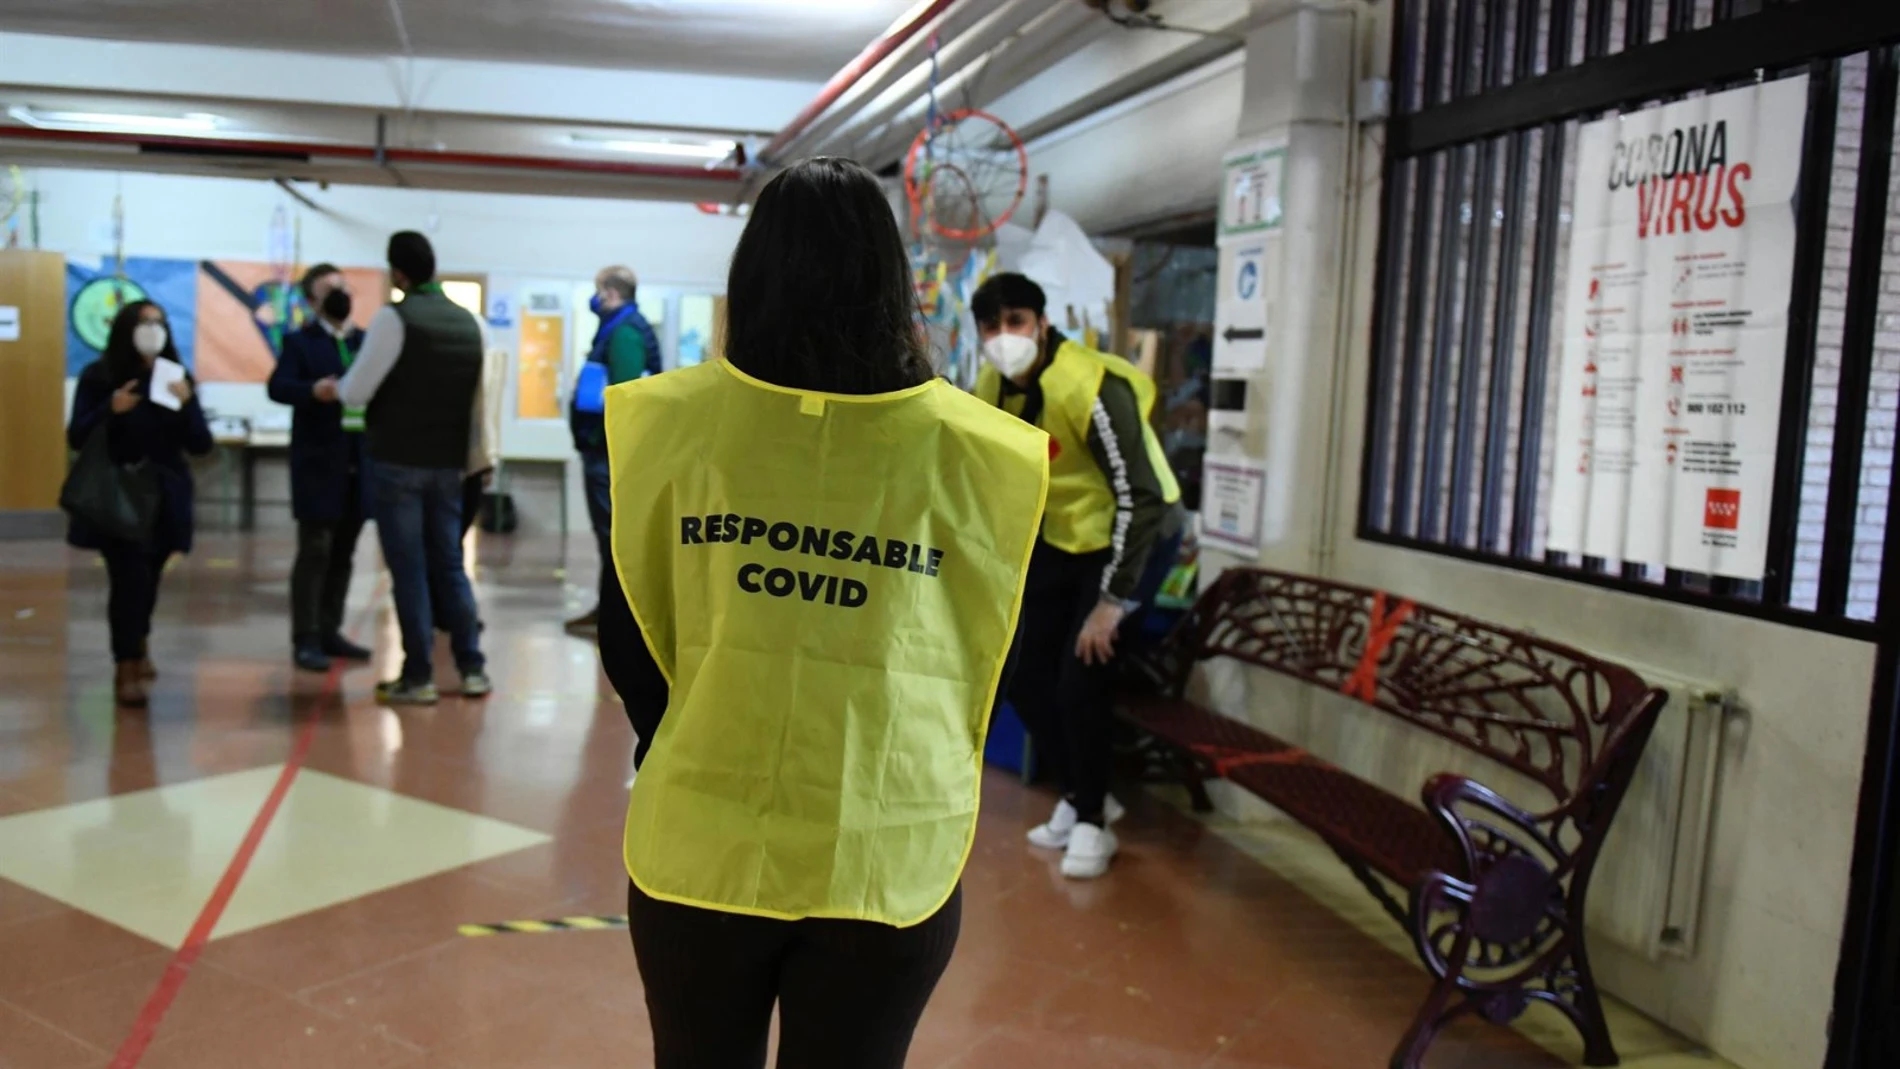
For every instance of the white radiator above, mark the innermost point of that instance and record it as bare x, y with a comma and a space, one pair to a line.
1647, 892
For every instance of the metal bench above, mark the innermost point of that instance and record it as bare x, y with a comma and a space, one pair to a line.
1496, 892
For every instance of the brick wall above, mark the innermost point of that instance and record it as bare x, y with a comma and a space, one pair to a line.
1877, 455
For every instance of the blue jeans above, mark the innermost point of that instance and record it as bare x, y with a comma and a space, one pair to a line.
597, 480
419, 520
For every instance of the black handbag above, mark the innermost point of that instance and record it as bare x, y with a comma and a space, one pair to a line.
498, 513
116, 500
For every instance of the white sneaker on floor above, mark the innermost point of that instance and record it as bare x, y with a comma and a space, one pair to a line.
1055, 834
1090, 850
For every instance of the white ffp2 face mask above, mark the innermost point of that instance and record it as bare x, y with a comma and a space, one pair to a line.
1012, 354
149, 339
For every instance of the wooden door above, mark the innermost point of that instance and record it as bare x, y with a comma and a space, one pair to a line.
33, 383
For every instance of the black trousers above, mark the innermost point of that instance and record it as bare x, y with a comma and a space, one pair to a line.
849, 993
1068, 706
1065, 704
132, 574
320, 579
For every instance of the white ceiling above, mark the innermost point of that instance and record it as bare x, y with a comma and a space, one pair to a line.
309, 99
801, 39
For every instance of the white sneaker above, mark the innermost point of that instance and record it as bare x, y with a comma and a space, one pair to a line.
1055, 834
1090, 850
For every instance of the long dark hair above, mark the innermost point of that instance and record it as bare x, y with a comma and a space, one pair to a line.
820, 294
122, 360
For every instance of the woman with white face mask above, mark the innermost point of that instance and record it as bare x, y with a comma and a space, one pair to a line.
114, 392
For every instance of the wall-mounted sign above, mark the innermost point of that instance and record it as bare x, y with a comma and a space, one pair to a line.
501, 309
1232, 492
1253, 183
1240, 311
1676, 329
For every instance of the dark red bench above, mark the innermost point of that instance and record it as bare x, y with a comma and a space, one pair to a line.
1495, 891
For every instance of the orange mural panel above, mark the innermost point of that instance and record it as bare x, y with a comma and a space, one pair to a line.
243, 311
538, 389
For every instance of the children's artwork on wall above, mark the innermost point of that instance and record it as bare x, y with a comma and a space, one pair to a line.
96, 293
244, 309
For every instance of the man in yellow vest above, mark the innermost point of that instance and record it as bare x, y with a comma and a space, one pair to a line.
1109, 536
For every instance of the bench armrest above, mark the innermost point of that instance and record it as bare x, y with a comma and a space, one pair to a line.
1449, 798
1512, 913
1161, 669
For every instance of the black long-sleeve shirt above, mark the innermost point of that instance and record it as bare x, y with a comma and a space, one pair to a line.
630, 666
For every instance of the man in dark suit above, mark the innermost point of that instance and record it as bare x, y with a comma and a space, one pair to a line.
328, 484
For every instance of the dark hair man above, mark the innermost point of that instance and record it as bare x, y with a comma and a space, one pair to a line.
1109, 536
418, 379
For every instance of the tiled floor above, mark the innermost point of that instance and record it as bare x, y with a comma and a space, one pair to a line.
1210, 946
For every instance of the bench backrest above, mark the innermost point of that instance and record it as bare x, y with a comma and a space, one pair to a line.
1569, 721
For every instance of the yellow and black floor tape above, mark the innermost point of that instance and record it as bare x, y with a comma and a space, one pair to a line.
559, 924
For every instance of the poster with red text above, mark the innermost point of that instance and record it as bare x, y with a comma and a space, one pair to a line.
1676, 330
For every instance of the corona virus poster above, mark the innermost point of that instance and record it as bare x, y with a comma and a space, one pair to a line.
1675, 331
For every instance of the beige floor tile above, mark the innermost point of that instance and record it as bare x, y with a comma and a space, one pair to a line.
147, 861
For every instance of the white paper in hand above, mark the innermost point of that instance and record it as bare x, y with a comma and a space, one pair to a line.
164, 373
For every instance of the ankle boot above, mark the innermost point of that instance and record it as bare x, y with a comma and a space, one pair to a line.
147, 670
128, 686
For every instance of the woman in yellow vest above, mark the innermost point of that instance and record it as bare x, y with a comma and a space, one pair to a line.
819, 550
1110, 535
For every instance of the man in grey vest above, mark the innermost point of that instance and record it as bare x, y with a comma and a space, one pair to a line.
417, 379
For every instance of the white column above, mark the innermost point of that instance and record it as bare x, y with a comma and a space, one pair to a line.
1281, 276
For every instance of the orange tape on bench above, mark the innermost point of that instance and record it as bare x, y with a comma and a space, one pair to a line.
1364, 681
1226, 758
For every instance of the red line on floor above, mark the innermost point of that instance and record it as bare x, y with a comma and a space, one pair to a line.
145, 1027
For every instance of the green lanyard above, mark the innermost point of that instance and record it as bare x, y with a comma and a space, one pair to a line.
352, 417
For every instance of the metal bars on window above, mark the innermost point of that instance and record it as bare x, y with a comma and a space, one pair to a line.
1479, 175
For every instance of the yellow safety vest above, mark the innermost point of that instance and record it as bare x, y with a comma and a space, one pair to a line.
830, 585
1081, 514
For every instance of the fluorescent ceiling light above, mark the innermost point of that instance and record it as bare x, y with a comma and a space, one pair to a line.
702, 150
193, 122
781, 7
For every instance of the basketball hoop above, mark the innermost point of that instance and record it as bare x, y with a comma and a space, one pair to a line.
965, 176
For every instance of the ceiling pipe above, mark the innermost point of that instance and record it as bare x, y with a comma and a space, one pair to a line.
1038, 45
909, 64
874, 53
953, 55
291, 150
1204, 59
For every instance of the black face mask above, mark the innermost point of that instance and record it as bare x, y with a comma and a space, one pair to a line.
336, 305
